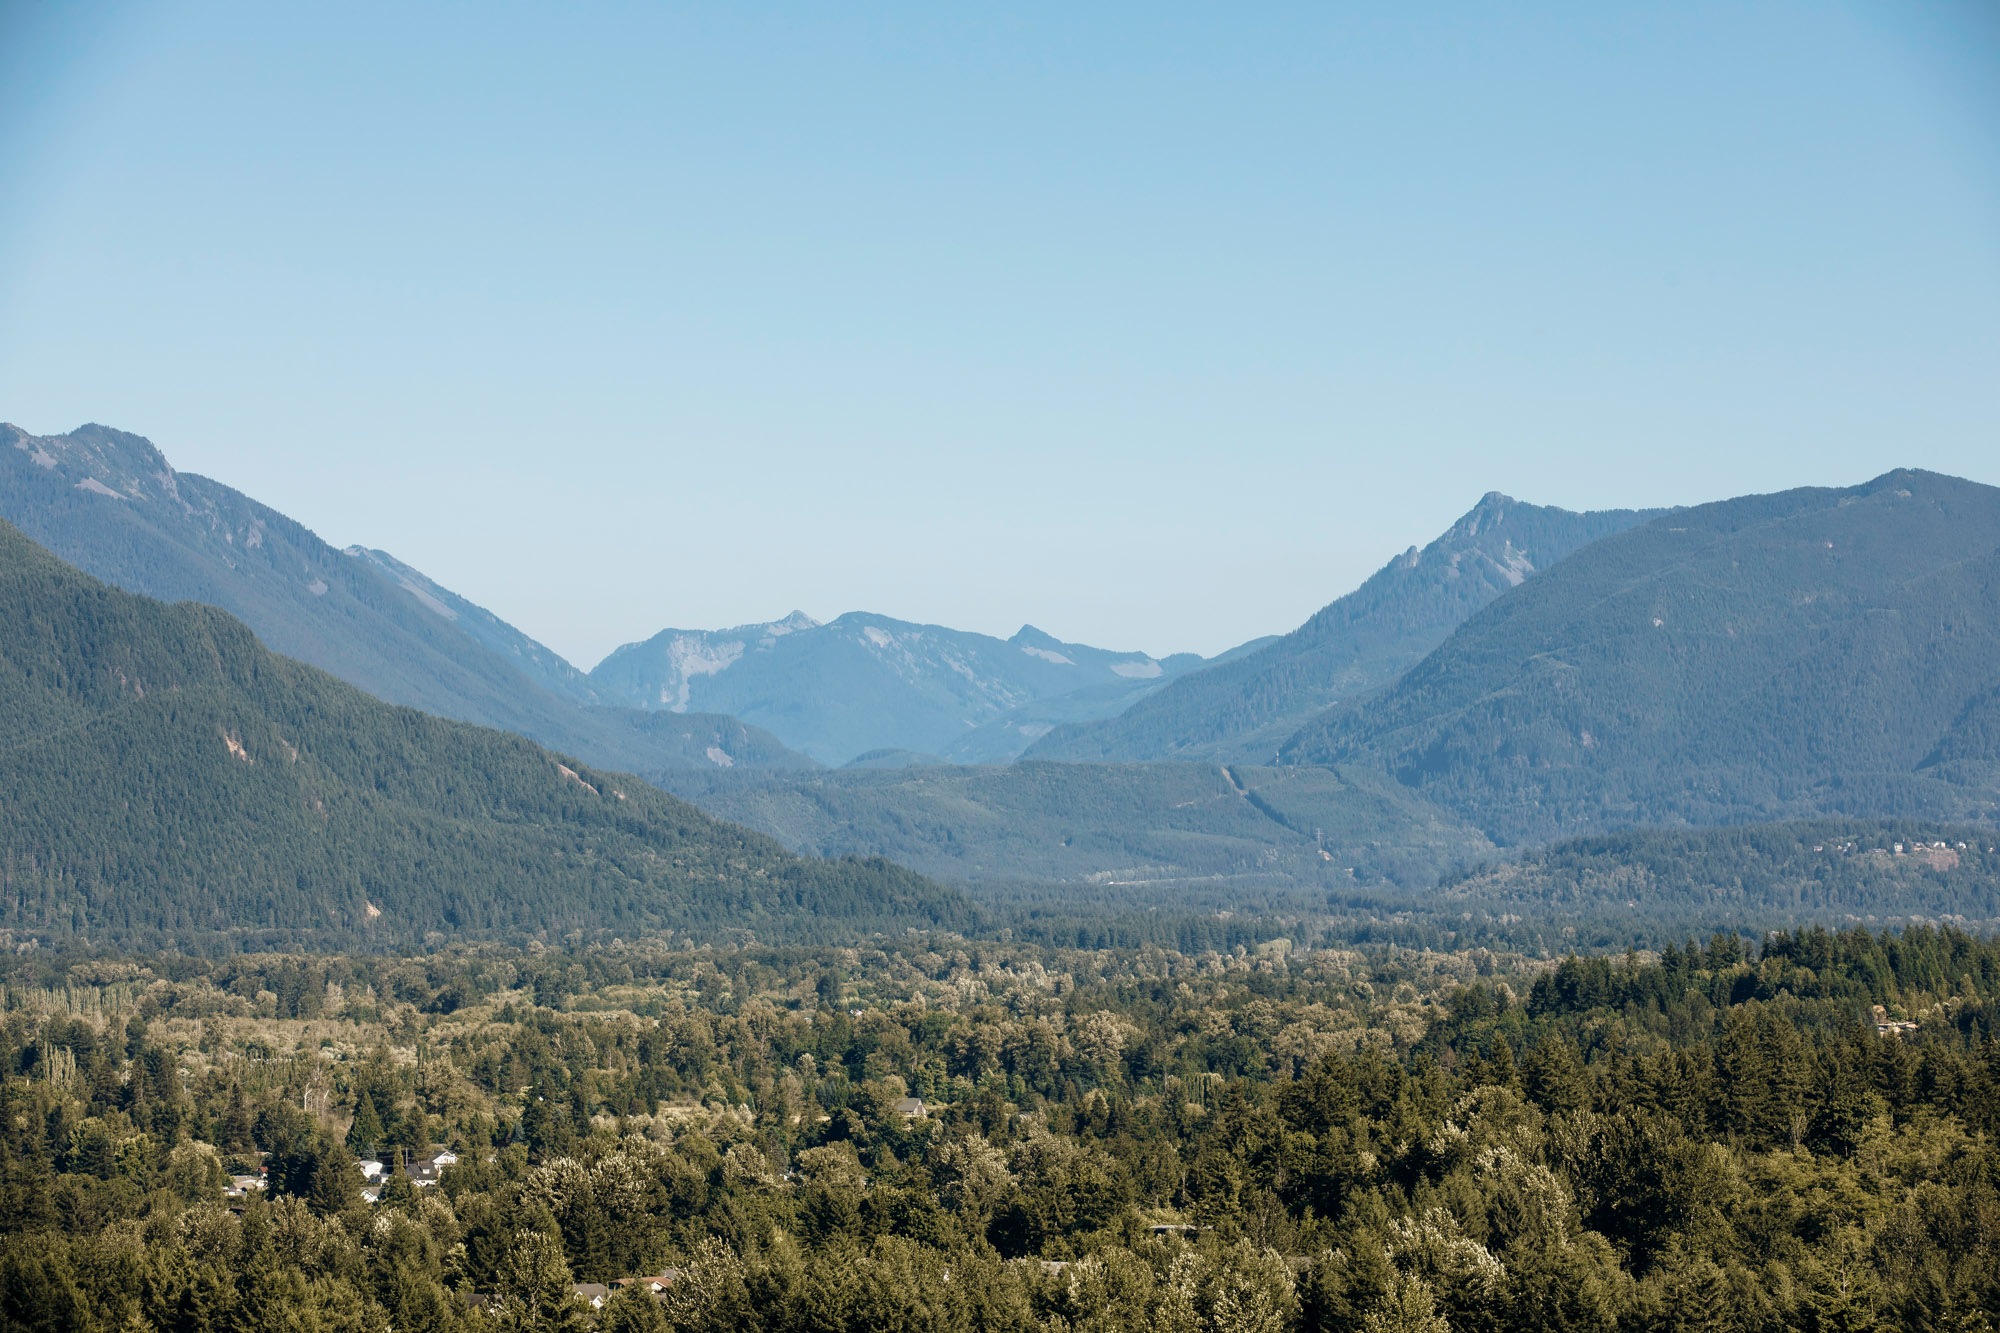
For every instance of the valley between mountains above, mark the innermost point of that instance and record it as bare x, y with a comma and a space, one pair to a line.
1404, 760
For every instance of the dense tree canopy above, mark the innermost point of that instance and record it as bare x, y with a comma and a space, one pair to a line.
1791, 1133
168, 779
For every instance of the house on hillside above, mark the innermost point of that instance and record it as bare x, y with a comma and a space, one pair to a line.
1888, 1027
656, 1285
593, 1294
912, 1108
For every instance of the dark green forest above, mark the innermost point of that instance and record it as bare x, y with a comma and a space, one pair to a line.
1646, 887
168, 779
1792, 1133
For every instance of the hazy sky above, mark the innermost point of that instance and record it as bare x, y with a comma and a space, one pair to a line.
1157, 326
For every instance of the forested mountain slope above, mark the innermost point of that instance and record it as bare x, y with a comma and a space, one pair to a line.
109, 503
1242, 709
165, 777
1640, 884
1162, 830
866, 682
1769, 657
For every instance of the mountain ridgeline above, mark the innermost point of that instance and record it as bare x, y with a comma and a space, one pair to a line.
1812, 652
1532, 675
109, 503
1243, 709
863, 684
170, 780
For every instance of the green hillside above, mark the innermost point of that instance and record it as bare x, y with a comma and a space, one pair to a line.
1837, 872
1102, 827
110, 503
1241, 709
164, 777
1771, 657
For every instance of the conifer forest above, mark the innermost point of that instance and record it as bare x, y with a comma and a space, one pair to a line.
1792, 1132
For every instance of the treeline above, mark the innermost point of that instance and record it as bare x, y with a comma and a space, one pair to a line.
1716, 1138
1650, 886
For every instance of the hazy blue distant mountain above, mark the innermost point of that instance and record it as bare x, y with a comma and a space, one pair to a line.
166, 779
109, 503
866, 682
1241, 708
1812, 652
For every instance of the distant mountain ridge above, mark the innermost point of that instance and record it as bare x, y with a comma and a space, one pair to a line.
1241, 710
110, 503
1816, 652
165, 779
864, 683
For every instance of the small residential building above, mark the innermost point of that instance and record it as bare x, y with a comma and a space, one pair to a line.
242, 1185
371, 1169
657, 1284
912, 1108
593, 1294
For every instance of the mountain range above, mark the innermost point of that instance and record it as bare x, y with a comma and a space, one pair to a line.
109, 503
1817, 651
1531, 675
868, 685
169, 781
1242, 707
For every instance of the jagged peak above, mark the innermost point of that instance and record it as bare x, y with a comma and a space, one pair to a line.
1491, 509
102, 454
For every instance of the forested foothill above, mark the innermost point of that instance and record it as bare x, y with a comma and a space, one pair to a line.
1792, 1132
169, 781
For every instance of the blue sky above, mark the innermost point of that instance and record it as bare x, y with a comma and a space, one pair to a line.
1157, 326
